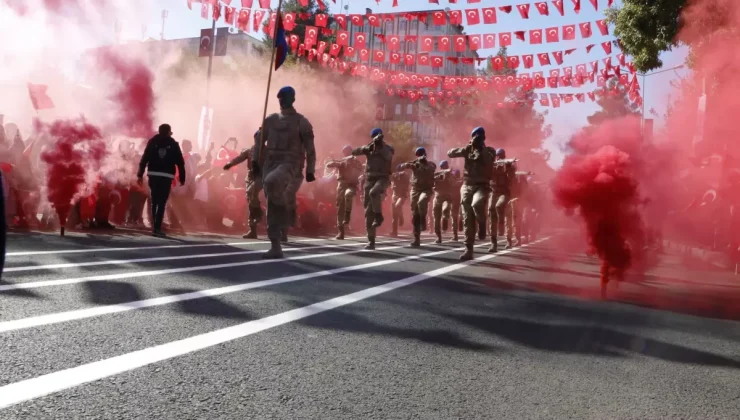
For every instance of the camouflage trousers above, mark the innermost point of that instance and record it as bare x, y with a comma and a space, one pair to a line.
346, 193
499, 211
419, 208
373, 201
473, 199
397, 207
291, 195
516, 212
445, 205
277, 182
254, 187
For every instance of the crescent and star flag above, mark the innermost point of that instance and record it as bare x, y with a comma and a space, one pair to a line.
281, 47
39, 98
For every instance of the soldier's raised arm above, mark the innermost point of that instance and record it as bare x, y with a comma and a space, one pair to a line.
361, 151
458, 152
307, 137
246, 154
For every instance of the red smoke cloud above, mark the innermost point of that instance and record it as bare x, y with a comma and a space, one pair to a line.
134, 94
600, 182
77, 150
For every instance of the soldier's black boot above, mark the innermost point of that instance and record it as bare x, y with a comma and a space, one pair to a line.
340, 235
509, 245
284, 236
417, 240
378, 220
482, 231
439, 237
347, 216
370, 243
275, 251
252, 234
416, 222
494, 245
445, 223
468, 254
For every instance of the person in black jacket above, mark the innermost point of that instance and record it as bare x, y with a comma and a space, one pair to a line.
161, 156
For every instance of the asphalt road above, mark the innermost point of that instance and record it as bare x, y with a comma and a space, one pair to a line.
125, 326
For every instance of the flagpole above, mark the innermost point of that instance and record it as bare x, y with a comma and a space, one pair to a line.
261, 144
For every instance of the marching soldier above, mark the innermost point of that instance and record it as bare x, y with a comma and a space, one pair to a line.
422, 184
498, 208
445, 205
400, 186
519, 204
289, 140
349, 170
254, 186
479, 160
377, 179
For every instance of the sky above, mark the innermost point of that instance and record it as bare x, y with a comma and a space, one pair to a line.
565, 121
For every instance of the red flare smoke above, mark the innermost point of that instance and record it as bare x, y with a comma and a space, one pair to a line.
77, 150
602, 186
134, 95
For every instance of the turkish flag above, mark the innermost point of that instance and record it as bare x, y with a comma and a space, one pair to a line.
364, 54
473, 16
519, 35
607, 46
577, 6
544, 59
595, 66
444, 43
356, 20
437, 61
595, 3
489, 15
342, 37
395, 58
535, 36
257, 18
242, 21
439, 18
601, 81
542, 8
553, 34
523, 10
321, 20
489, 41
294, 41
427, 43
552, 82
603, 27
459, 41
528, 61
311, 36
423, 59
410, 59
289, 21
379, 56
540, 82
497, 63
555, 73
455, 17
39, 98
373, 20
620, 57
474, 42
505, 9
504, 39
229, 15
559, 5
581, 69
558, 57
334, 49
585, 29
360, 40
322, 47
513, 61
394, 42
341, 20
569, 32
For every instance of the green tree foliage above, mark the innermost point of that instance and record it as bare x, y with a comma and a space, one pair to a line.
401, 137
613, 105
646, 28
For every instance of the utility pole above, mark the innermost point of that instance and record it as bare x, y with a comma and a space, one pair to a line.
164, 20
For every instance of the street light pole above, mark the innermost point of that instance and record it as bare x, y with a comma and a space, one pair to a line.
644, 86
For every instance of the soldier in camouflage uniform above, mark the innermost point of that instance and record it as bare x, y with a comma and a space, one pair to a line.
479, 160
518, 204
400, 183
288, 140
446, 190
377, 179
422, 185
254, 186
498, 204
349, 170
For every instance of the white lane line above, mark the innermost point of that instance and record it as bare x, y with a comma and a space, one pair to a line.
58, 381
75, 315
127, 275
138, 248
170, 258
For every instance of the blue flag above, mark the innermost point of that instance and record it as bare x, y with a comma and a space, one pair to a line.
281, 46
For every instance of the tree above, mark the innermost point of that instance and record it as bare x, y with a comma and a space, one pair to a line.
401, 137
615, 103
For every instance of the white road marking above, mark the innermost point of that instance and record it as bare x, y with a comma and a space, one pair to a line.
138, 248
127, 275
170, 258
56, 318
58, 381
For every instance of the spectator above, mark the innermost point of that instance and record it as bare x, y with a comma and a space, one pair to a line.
161, 158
